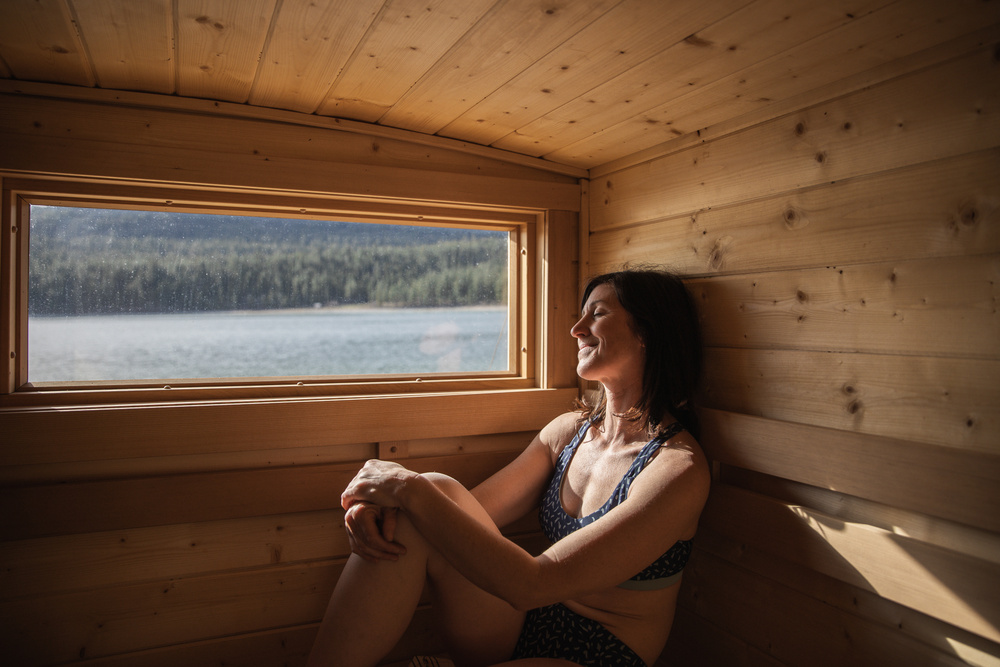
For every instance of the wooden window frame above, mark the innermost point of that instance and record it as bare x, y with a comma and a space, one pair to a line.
528, 227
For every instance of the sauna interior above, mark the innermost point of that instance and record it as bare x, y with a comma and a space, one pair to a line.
824, 175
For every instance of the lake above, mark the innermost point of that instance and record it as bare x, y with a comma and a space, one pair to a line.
323, 341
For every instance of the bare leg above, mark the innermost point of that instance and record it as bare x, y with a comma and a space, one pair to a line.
373, 603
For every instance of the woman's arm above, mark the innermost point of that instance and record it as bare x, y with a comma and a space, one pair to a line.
506, 496
662, 507
518, 487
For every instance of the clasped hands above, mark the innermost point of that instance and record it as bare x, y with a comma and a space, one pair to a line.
371, 503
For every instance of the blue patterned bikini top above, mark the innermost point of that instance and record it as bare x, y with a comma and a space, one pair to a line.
557, 524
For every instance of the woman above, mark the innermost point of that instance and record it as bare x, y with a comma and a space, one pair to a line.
621, 485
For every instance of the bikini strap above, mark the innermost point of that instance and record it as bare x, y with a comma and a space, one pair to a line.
640, 461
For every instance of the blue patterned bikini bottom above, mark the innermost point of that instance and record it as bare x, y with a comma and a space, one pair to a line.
558, 632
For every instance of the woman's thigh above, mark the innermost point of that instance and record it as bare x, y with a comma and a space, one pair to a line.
478, 627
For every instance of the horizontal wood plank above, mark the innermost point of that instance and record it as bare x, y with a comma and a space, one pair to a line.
186, 614
65, 563
886, 127
217, 109
83, 507
795, 628
49, 565
939, 639
926, 307
285, 646
194, 166
947, 585
54, 435
695, 641
931, 530
239, 138
939, 209
122, 619
909, 475
943, 401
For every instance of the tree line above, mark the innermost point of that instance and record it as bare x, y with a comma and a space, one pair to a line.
101, 270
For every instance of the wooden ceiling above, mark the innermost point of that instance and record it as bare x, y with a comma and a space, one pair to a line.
575, 82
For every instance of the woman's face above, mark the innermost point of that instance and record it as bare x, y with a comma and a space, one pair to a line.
609, 351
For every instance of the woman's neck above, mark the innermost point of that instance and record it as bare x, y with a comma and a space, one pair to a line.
619, 401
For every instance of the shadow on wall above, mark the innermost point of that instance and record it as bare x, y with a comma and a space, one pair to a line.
785, 573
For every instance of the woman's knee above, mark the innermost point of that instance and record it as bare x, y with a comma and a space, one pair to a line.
447, 484
460, 495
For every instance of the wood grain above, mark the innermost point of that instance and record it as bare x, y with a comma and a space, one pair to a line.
935, 400
894, 472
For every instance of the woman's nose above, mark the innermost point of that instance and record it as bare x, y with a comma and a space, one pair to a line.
578, 329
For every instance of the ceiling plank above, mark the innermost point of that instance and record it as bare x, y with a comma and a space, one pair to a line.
39, 43
629, 34
309, 45
231, 110
742, 39
405, 43
219, 43
886, 35
131, 43
515, 34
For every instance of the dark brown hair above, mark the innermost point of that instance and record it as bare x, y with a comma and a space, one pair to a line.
666, 322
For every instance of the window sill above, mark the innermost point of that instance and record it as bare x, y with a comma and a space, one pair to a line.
57, 434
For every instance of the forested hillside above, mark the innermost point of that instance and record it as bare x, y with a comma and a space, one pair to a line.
94, 261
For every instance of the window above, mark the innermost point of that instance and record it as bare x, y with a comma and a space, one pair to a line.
187, 290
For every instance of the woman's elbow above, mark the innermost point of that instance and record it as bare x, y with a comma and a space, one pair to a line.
530, 592
524, 602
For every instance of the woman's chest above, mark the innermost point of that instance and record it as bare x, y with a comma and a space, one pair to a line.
592, 478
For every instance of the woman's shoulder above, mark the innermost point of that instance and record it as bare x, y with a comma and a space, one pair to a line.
560, 431
681, 458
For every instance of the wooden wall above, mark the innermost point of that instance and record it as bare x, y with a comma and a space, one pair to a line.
178, 531
844, 248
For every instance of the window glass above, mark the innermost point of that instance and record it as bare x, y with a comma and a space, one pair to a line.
131, 295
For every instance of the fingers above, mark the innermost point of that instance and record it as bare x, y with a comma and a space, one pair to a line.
366, 532
389, 524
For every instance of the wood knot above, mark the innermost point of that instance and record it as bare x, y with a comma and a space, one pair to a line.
821, 157
800, 129
794, 218
716, 258
695, 40
969, 216
854, 407
801, 296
